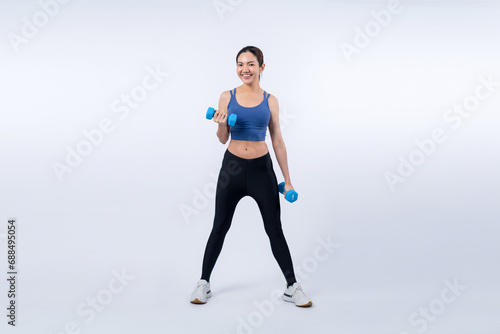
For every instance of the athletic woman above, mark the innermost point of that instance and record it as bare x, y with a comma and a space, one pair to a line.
247, 170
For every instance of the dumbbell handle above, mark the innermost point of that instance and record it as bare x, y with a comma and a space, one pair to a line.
291, 195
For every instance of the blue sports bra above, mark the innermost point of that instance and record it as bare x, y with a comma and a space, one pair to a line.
251, 123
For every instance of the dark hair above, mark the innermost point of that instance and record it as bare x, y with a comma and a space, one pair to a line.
255, 51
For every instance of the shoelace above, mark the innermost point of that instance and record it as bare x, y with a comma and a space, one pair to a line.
199, 287
297, 287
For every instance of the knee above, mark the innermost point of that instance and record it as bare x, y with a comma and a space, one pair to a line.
219, 231
275, 232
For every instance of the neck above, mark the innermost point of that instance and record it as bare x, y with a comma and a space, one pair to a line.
253, 87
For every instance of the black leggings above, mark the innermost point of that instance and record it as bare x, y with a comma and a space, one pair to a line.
240, 177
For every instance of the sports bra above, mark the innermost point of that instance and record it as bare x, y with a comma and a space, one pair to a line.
251, 123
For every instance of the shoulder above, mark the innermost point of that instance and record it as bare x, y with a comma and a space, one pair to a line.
224, 99
226, 95
273, 102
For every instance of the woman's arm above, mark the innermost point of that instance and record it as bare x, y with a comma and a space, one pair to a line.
278, 142
221, 118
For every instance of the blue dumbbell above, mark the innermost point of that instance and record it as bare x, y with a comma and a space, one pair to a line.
291, 195
231, 120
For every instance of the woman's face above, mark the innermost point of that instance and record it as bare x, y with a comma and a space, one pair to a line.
247, 67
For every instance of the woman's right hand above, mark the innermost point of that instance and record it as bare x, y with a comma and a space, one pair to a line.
219, 117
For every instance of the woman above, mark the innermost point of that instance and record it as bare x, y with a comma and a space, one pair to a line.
247, 170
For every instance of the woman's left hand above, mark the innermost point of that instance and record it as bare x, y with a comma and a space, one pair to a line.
288, 186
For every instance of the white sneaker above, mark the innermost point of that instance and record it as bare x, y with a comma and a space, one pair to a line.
201, 292
295, 295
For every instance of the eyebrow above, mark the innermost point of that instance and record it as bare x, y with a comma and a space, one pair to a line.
251, 61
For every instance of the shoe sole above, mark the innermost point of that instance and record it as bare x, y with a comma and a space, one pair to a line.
197, 301
291, 301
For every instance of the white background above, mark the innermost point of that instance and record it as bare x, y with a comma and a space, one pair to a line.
345, 125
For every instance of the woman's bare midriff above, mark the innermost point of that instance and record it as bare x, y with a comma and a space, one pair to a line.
247, 149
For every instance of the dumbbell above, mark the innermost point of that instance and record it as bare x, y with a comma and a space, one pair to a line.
291, 195
231, 120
